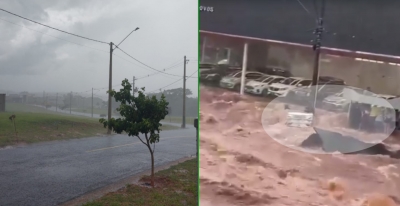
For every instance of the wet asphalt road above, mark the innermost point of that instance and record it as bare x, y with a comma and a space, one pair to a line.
51, 173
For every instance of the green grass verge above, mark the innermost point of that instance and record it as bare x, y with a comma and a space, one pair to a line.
16, 107
34, 124
172, 119
89, 110
174, 186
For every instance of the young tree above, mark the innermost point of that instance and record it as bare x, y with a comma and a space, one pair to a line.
140, 114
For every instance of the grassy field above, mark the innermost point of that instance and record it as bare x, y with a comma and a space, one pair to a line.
35, 124
172, 119
16, 107
174, 186
89, 110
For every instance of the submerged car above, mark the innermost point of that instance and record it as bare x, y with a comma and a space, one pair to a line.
336, 102
233, 80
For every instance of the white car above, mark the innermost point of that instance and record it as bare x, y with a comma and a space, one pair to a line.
232, 81
336, 102
282, 88
260, 86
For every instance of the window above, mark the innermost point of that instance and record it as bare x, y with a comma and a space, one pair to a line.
304, 83
266, 79
275, 80
288, 81
263, 78
295, 81
335, 82
330, 89
253, 75
235, 74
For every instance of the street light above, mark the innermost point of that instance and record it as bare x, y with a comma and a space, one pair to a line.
137, 28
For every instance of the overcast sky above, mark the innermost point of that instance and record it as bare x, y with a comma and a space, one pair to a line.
37, 61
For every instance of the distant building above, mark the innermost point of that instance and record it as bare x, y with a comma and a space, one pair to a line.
2, 102
14, 98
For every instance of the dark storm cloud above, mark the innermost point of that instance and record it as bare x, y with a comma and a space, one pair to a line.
34, 60
168, 30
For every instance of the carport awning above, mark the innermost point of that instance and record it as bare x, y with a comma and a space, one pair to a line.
324, 50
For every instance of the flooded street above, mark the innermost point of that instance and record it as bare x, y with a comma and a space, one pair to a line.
240, 164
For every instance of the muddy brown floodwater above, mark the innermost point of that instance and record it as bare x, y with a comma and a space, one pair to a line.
241, 165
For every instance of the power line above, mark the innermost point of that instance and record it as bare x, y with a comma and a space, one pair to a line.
174, 66
53, 27
305, 9
193, 73
315, 7
166, 85
52, 35
146, 64
149, 75
172, 83
65, 40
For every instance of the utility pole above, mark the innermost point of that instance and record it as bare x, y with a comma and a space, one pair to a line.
317, 44
133, 86
184, 93
70, 102
56, 102
317, 48
43, 100
109, 88
110, 77
92, 102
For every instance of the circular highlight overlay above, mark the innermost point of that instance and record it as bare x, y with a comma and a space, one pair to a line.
337, 119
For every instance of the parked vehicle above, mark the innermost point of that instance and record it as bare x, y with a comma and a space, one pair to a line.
328, 80
232, 81
260, 86
336, 102
274, 71
206, 66
282, 88
325, 88
215, 74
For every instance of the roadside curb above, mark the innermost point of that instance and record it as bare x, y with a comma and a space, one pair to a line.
98, 193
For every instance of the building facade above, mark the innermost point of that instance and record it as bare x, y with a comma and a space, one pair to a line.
360, 45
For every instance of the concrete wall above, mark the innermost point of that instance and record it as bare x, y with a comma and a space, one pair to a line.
2, 102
